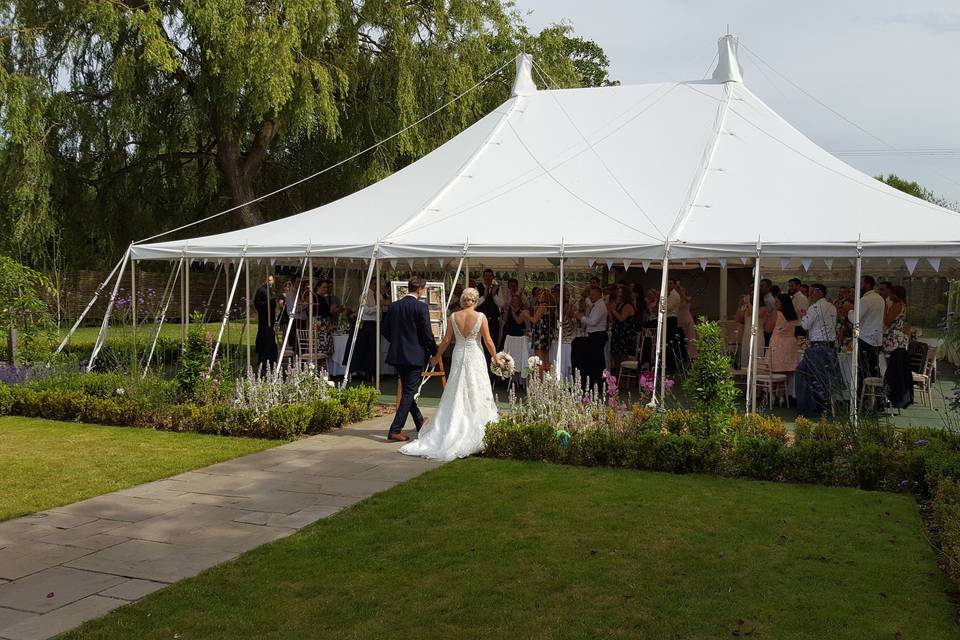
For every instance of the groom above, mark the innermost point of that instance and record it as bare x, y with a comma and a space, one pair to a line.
407, 328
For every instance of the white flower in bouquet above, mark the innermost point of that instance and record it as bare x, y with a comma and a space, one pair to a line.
534, 363
503, 366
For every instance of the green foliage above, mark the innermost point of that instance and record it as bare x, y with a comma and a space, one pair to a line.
946, 518
287, 422
22, 291
327, 414
6, 399
197, 353
708, 383
121, 120
358, 402
917, 190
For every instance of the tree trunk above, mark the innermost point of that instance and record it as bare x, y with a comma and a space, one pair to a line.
239, 169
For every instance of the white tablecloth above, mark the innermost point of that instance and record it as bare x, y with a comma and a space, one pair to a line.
518, 347
846, 358
565, 368
340, 343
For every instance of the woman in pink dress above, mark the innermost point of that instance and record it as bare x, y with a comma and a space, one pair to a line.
783, 342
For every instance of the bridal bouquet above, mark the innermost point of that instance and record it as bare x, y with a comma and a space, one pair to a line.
503, 366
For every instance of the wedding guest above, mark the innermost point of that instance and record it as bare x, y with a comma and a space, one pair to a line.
326, 307
744, 316
363, 366
676, 338
783, 342
586, 353
686, 322
797, 296
514, 328
650, 312
541, 320
885, 289
489, 305
265, 303
625, 327
805, 290
769, 302
872, 309
455, 302
898, 379
818, 374
283, 317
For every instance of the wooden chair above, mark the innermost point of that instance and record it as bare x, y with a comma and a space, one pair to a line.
303, 336
631, 368
772, 384
873, 389
923, 381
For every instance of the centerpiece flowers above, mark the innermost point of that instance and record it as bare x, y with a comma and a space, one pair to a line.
503, 366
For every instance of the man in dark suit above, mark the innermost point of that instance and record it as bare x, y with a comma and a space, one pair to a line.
407, 327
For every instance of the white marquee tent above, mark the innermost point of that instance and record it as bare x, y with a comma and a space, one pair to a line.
699, 170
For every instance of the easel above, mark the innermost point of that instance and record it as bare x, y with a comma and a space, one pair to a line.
439, 372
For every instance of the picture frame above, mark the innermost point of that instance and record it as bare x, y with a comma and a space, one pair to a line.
435, 299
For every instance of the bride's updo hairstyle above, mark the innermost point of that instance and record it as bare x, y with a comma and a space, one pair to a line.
469, 298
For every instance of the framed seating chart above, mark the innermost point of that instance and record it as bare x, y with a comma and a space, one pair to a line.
435, 298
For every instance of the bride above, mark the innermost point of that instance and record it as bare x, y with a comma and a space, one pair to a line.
467, 405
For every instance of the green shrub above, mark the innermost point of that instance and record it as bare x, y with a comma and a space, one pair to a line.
946, 517
757, 457
709, 383
327, 414
678, 421
642, 418
596, 448
6, 399
358, 402
506, 439
754, 425
193, 364
286, 422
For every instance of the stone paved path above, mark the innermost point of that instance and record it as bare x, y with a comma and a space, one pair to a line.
61, 567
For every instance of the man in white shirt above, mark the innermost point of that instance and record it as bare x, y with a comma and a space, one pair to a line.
872, 308
800, 301
587, 352
818, 373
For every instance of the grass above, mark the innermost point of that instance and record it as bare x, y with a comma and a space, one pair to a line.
145, 332
496, 549
45, 464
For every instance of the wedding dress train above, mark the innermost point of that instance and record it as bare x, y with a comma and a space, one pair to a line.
466, 407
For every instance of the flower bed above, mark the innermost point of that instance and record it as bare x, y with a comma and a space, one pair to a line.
114, 399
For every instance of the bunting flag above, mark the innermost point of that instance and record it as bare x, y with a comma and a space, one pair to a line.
703, 264
806, 262
410, 262
829, 263
744, 260
335, 262
911, 264
852, 262
723, 263
591, 262
645, 264
273, 261
393, 265
626, 265
259, 261
784, 263
935, 263
609, 264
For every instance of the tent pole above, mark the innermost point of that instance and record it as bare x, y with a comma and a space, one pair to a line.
186, 299
723, 291
93, 301
661, 318
310, 302
105, 325
183, 335
167, 298
751, 395
246, 312
560, 318
356, 325
377, 339
291, 312
133, 310
521, 276
466, 272
226, 311
855, 353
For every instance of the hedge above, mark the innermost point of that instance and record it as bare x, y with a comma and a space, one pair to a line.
92, 402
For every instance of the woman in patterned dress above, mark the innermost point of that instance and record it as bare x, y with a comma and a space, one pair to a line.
898, 379
626, 327
541, 320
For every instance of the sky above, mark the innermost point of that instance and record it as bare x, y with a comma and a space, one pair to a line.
890, 67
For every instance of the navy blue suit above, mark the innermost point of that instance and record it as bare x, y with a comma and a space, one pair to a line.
407, 327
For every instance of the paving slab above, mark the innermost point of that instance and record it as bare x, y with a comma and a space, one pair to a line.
22, 559
133, 589
80, 535
113, 506
53, 588
63, 619
157, 561
11, 617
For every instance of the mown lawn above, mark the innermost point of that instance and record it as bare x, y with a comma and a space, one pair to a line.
45, 464
495, 549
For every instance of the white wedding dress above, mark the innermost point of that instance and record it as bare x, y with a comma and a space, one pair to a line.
466, 407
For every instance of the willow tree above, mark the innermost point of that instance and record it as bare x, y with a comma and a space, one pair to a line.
123, 118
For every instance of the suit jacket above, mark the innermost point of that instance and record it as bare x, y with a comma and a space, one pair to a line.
407, 327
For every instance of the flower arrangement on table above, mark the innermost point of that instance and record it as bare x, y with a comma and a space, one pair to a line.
503, 366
